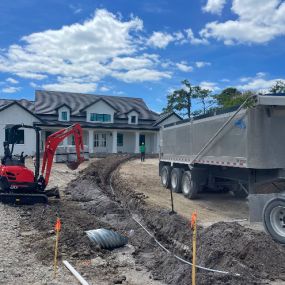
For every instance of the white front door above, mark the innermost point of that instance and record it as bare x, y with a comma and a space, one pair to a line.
100, 142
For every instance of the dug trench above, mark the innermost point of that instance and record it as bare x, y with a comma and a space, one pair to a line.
90, 203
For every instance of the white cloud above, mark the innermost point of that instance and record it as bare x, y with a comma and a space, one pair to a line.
11, 89
160, 39
71, 86
201, 64
259, 84
214, 6
258, 21
244, 79
209, 85
29, 75
225, 80
179, 36
34, 85
193, 40
129, 63
260, 74
12, 80
141, 75
163, 39
104, 88
183, 66
76, 9
102, 46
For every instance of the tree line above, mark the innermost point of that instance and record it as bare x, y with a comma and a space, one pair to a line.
181, 100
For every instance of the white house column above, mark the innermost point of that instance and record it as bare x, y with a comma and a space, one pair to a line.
91, 141
137, 142
114, 136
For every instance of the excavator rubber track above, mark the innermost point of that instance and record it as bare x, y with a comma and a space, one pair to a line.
23, 199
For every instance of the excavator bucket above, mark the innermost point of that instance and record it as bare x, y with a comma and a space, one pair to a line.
72, 164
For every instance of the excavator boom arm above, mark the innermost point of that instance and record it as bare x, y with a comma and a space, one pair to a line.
52, 143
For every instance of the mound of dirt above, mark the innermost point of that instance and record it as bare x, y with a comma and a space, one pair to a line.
223, 246
242, 250
90, 203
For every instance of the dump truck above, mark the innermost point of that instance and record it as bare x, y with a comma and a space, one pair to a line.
241, 150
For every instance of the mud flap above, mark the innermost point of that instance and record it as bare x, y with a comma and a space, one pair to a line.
23, 199
256, 205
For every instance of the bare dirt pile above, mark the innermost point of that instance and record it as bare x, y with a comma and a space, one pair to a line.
224, 246
90, 203
83, 207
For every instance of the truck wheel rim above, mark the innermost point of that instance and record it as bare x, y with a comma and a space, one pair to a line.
186, 186
164, 177
277, 219
173, 180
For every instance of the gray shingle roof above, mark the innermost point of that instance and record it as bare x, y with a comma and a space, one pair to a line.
30, 105
46, 102
164, 116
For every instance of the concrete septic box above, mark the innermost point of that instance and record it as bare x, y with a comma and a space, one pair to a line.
68, 153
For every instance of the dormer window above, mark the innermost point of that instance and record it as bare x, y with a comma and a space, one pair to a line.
94, 117
133, 119
64, 113
99, 111
64, 116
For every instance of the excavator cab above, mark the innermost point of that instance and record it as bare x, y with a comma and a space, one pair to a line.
20, 185
10, 159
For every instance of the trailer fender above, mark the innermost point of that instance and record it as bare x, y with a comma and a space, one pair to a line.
200, 174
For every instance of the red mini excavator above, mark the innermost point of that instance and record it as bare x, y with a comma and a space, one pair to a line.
20, 185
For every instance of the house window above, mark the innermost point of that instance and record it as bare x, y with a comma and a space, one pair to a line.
120, 139
133, 119
72, 140
100, 140
20, 136
94, 117
64, 116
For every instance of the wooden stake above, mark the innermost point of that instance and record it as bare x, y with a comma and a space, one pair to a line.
57, 229
194, 240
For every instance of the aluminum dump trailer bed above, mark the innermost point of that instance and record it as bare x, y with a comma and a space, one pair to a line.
242, 150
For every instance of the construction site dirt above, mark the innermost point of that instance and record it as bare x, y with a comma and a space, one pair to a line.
88, 202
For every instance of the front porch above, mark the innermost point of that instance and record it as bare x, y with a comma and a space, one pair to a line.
112, 141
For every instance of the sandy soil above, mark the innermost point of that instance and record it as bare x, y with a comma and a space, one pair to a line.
61, 175
27, 238
18, 263
88, 202
211, 207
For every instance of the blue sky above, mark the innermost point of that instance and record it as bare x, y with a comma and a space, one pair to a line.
139, 48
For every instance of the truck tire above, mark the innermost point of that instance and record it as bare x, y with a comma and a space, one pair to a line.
165, 176
176, 179
274, 219
190, 187
238, 191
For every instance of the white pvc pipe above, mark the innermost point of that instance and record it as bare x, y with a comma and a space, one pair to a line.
164, 248
75, 273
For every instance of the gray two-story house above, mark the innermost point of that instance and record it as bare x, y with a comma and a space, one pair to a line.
111, 124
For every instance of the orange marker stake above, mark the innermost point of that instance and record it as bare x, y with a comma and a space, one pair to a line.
57, 228
194, 229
